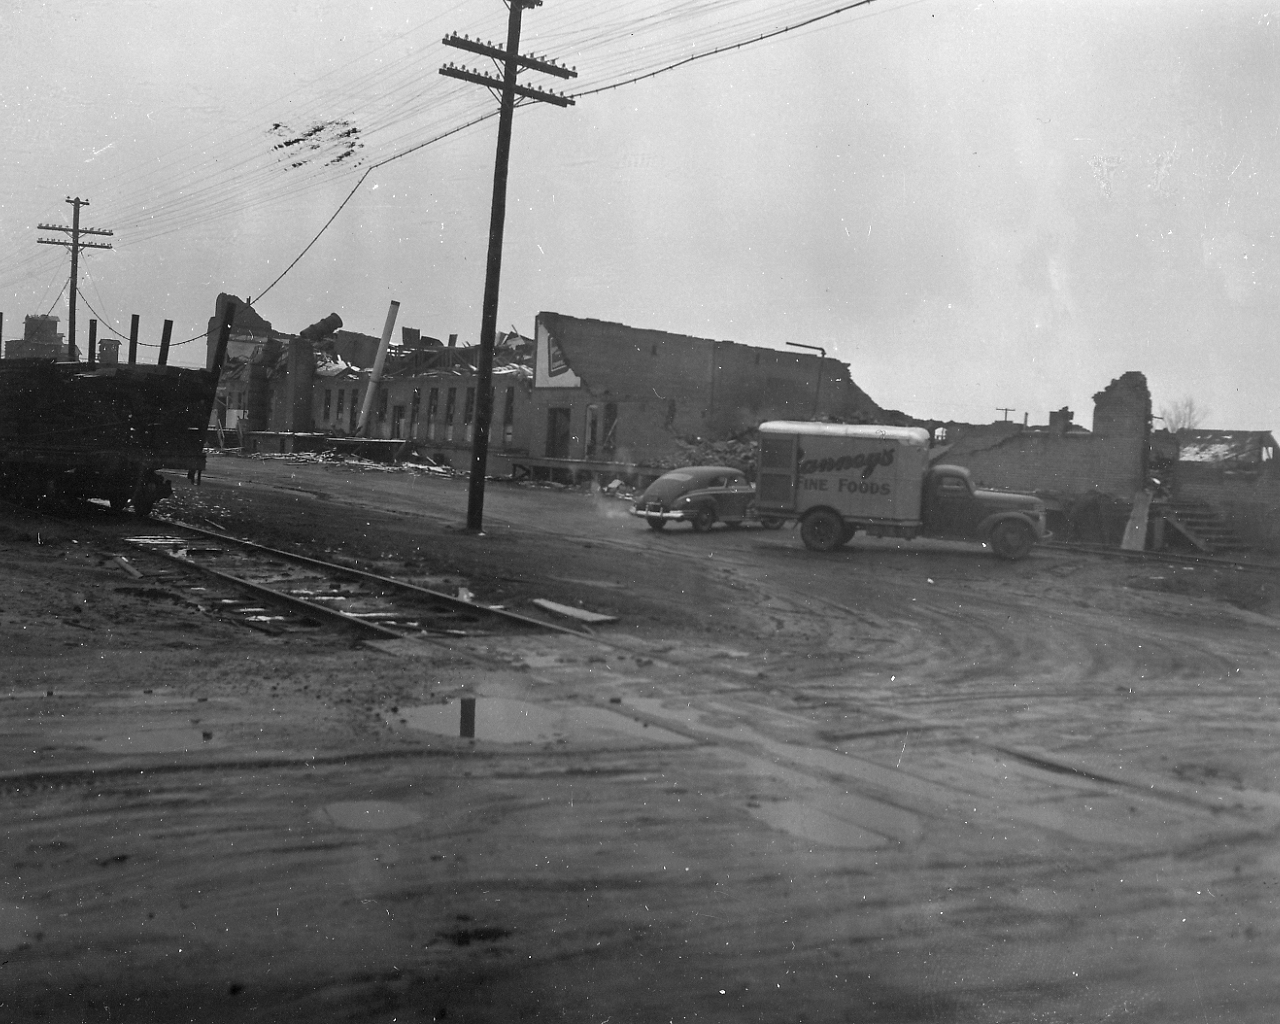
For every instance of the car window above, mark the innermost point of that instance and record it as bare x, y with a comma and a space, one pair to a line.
952, 485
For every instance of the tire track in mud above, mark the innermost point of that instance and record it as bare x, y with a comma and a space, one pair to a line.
959, 638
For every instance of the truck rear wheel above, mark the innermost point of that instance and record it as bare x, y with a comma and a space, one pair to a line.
822, 530
1012, 539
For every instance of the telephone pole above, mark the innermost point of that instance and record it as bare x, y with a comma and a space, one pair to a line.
512, 63
75, 245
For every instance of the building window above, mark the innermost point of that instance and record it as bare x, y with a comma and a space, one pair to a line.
342, 394
433, 410
610, 441
382, 403
469, 412
450, 410
328, 397
414, 406
592, 431
397, 420
509, 417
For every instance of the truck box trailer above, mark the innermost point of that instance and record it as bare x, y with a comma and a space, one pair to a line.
838, 479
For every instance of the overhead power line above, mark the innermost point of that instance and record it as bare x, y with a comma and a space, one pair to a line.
672, 66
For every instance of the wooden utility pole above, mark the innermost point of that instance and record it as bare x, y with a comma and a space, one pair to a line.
512, 63
75, 245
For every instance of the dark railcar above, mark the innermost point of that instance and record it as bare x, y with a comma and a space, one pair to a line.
68, 431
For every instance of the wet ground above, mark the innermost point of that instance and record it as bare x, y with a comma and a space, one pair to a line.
893, 783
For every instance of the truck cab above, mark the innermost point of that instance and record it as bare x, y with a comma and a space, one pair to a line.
951, 506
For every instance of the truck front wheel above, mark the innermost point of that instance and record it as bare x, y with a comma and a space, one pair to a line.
822, 530
1012, 539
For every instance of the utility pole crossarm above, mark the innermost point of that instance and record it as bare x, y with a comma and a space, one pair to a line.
68, 243
83, 231
527, 91
548, 67
75, 244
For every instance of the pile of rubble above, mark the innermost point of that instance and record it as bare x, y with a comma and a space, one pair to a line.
737, 453
332, 458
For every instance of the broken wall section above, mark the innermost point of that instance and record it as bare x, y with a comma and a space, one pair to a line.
1087, 478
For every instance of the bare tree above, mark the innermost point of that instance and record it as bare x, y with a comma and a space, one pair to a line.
1182, 414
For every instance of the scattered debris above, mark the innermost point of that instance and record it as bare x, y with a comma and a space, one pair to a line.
125, 564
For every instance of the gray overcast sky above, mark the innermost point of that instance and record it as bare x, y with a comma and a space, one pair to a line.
976, 205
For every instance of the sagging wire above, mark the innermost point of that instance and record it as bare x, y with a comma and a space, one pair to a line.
843, 9
58, 296
369, 170
726, 49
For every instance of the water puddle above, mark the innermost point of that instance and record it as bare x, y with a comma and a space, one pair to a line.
378, 815
153, 741
499, 720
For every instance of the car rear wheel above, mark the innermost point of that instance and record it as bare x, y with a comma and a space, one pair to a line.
821, 530
703, 518
656, 522
1012, 539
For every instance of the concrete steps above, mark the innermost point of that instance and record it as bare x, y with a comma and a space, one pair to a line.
1201, 524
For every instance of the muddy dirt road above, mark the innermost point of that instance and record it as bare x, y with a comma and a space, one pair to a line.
887, 784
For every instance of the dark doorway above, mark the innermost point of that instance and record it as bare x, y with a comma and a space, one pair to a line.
558, 433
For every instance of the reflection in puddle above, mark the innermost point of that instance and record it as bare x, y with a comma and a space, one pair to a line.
499, 720
153, 741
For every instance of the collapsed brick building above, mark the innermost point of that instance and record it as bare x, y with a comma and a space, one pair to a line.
583, 397
589, 398
1226, 489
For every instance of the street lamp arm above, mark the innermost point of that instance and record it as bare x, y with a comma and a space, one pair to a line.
822, 355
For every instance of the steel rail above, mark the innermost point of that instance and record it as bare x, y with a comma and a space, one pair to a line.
437, 596
296, 604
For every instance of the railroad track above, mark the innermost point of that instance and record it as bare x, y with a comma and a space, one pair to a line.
279, 591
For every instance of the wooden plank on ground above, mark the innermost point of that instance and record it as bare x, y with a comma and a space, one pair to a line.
570, 612
1135, 533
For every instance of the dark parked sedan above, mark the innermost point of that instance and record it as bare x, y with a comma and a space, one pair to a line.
701, 496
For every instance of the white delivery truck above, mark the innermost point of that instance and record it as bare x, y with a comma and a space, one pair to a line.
838, 479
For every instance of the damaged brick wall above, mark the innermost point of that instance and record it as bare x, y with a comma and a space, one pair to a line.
667, 389
1110, 460
752, 385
